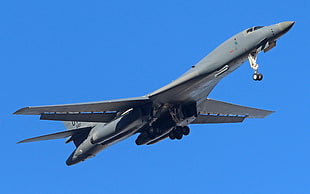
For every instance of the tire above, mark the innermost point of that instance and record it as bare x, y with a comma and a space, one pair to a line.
186, 130
255, 76
179, 136
178, 133
172, 135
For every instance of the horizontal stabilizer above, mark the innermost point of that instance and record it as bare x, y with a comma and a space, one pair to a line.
99, 106
58, 135
215, 107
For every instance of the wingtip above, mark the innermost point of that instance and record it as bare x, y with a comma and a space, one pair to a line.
269, 112
21, 111
25, 141
22, 141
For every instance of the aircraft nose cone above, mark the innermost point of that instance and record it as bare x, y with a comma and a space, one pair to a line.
286, 26
72, 159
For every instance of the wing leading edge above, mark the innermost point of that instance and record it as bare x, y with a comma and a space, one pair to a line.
89, 107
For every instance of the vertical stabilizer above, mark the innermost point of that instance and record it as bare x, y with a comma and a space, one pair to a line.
78, 138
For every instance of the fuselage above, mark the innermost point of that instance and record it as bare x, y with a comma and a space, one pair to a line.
191, 87
198, 82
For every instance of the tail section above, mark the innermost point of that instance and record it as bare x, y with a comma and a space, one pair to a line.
80, 137
76, 131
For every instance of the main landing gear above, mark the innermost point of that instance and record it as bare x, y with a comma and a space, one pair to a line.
178, 132
252, 59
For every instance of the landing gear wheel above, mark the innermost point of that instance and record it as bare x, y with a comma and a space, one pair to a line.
186, 130
257, 77
178, 132
260, 77
179, 135
172, 135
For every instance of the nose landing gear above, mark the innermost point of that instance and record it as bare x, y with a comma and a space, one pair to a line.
252, 59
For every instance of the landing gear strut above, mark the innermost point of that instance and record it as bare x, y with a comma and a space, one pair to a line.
252, 59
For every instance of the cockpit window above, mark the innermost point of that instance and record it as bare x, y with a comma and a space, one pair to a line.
258, 27
253, 29
249, 30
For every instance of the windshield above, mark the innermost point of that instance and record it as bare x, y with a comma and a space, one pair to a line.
253, 29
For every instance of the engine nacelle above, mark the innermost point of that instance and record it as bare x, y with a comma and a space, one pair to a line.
132, 119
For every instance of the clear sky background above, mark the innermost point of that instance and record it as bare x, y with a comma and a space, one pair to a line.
56, 52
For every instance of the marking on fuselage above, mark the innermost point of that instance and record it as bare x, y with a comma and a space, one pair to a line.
221, 71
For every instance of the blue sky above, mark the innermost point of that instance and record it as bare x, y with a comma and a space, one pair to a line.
55, 52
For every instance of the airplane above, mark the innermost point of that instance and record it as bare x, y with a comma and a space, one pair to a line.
166, 112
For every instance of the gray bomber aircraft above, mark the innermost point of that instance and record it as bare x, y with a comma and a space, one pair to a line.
168, 111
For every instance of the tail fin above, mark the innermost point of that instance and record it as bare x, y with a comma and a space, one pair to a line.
80, 137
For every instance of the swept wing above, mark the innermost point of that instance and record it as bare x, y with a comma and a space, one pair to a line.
214, 111
89, 107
